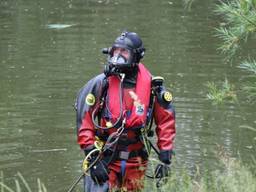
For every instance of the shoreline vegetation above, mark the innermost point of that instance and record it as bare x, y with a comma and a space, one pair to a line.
233, 177
19, 184
236, 30
220, 93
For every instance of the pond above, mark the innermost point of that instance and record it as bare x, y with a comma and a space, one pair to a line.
49, 49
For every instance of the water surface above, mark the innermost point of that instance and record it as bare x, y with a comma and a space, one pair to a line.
49, 49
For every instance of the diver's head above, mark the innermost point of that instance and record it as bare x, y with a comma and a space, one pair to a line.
125, 53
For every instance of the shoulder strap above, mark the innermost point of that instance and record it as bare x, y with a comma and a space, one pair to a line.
94, 87
149, 121
102, 98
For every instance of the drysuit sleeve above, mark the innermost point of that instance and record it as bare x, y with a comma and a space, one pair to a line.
164, 116
86, 132
87, 101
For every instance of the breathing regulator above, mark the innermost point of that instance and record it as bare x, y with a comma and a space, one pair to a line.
131, 44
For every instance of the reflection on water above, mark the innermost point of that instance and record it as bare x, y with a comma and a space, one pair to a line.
49, 49
58, 26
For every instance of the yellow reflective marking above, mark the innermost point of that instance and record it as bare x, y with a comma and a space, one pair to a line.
85, 165
109, 124
90, 99
98, 143
167, 96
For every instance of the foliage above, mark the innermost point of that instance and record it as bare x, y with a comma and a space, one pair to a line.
250, 84
249, 66
234, 177
18, 181
219, 95
230, 43
188, 4
239, 22
239, 25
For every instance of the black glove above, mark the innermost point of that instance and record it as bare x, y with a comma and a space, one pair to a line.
162, 170
99, 171
166, 156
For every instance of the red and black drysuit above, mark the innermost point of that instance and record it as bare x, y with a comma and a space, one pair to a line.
129, 172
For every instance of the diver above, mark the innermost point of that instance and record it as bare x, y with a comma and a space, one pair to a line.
115, 111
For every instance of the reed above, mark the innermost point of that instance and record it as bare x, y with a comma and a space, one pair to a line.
233, 177
20, 181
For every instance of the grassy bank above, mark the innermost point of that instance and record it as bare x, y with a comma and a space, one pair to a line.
233, 177
19, 185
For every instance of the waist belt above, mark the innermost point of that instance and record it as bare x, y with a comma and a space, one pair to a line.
125, 141
125, 155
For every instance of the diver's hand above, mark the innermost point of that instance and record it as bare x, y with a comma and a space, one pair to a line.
162, 170
99, 172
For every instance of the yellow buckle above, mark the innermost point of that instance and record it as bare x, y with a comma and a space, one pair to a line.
85, 165
98, 143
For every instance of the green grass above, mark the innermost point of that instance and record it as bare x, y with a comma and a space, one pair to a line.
234, 177
20, 184
187, 4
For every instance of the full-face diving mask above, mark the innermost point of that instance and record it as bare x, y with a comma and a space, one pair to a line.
124, 54
120, 60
